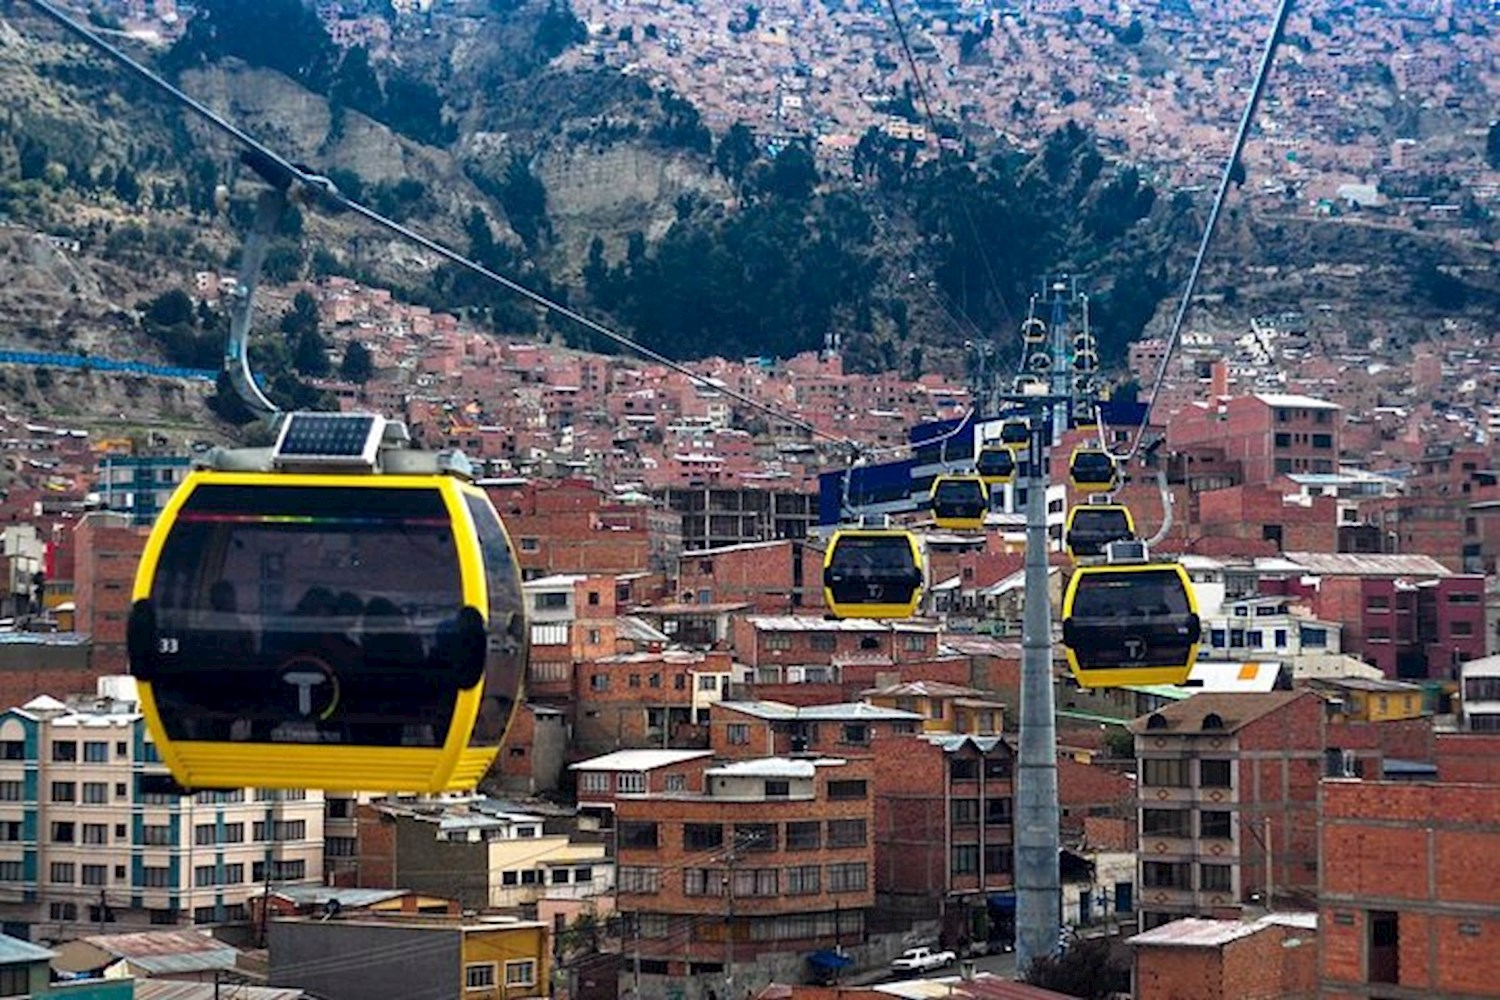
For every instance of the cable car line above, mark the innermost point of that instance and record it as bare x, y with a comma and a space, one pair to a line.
1174, 334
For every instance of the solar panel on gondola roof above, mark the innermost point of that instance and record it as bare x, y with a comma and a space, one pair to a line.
330, 437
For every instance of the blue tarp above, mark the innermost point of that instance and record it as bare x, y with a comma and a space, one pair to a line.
829, 959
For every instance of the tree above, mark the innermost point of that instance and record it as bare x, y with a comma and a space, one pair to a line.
302, 318
310, 356
358, 366
1087, 969
737, 150
170, 308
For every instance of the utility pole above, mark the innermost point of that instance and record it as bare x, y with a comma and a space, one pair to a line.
635, 926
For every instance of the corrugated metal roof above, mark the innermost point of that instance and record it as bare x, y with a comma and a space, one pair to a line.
765, 767
638, 760
953, 742
14, 950
1293, 399
1234, 709
1196, 932
170, 989
317, 895
1354, 564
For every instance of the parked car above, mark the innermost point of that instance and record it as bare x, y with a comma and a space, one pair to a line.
922, 960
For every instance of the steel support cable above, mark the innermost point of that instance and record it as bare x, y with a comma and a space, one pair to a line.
1247, 117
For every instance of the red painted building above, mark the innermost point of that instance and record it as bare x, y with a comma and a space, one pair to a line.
107, 550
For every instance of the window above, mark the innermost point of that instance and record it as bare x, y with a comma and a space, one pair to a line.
846, 833
10, 830
998, 858
779, 641
964, 812
479, 976
1166, 874
11, 871
234, 833
804, 836
778, 789
96, 793
1378, 602
95, 874
702, 836
1165, 822
847, 789
57, 911
594, 781
204, 875
204, 834
630, 782
96, 752
520, 972
997, 811
1213, 773
965, 859
847, 878
64, 791
549, 602
914, 642
996, 767
675, 783
205, 914
119, 789
1314, 638
530, 544
1215, 878
1460, 629
11, 791
1214, 824
156, 877
637, 835
1379, 635
599, 682
702, 882
635, 680
737, 733
707, 682
803, 880
822, 642
963, 768
61, 873
856, 733
96, 833
62, 833
634, 879
65, 751
1169, 773
157, 835
13, 749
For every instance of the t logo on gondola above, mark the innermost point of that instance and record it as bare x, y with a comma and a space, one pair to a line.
1135, 649
307, 675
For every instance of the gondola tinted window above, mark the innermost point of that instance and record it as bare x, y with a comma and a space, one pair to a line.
1131, 595
247, 653
508, 634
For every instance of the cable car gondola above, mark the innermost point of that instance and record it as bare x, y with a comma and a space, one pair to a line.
959, 502
1092, 470
1015, 433
1091, 527
996, 465
1130, 623
337, 613
872, 573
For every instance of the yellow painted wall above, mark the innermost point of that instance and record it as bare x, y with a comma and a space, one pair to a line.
501, 944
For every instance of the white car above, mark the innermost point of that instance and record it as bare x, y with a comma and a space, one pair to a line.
922, 960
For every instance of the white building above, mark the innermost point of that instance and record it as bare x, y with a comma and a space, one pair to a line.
1480, 680
90, 834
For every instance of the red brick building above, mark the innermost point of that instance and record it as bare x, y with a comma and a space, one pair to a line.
1266, 514
1268, 435
658, 699
775, 645
944, 834
1409, 884
603, 780
107, 550
777, 577
567, 527
1224, 781
1273, 958
748, 729
769, 855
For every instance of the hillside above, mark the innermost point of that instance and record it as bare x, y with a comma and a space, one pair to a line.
614, 196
